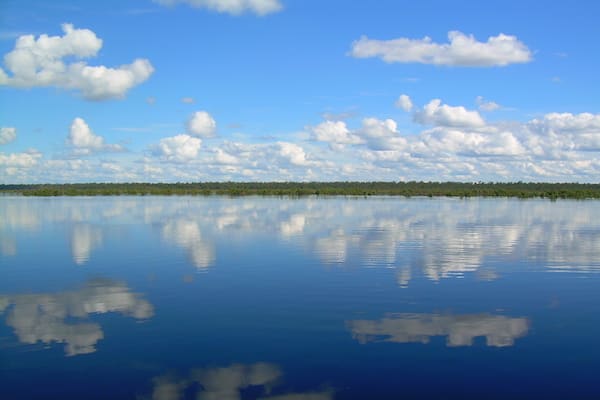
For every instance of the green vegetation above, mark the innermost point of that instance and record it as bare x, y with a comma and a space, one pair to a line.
453, 189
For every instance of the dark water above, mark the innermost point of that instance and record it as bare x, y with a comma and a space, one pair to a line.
311, 299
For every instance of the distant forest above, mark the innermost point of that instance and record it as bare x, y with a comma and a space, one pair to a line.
407, 189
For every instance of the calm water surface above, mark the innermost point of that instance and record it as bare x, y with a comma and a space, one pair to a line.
298, 299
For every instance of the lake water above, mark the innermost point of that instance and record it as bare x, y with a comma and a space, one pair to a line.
298, 299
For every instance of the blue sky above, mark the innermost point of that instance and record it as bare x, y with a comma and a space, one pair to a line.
196, 90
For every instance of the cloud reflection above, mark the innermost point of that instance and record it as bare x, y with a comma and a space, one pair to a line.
8, 246
227, 383
84, 239
47, 318
460, 330
432, 238
186, 234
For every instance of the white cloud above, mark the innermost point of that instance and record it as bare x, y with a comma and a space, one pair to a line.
462, 50
222, 157
584, 122
464, 142
85, 141
375, 128
559, 132
404, 102
456, 144
499, 331
20, 160
7, 135
374, 133
179, 148
381, 134
486, 105
436, 113
40, 63
202, 124
234, 7
292, 153
334, 132
187, 100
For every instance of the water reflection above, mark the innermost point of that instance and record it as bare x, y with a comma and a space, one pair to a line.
227, 383
18, 215
285, 281
434, 238
498, 330
47, 317
186, 233
8, 246
84, 239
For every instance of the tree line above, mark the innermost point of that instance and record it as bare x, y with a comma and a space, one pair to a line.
407, 189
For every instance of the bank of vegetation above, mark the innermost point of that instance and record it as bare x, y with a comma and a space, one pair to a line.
407, 189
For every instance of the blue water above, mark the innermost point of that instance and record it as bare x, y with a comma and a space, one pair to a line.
298, 299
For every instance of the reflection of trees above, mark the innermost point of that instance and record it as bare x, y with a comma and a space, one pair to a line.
46, 317
499, 331
226, 383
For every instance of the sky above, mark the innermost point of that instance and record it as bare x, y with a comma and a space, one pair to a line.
298, 90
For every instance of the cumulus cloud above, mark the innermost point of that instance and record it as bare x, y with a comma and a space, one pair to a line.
179, 148
436, 113
233, 7
557, 133
462, 50
567, 122
455, 143
404, 102
486, 105
292, 153
375, 128
7, 135
498, 330
374, 133
335, 133
202, 124
85, 141
50, 318
26, 159
469, 143
381, 134
223, 157
41, 63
